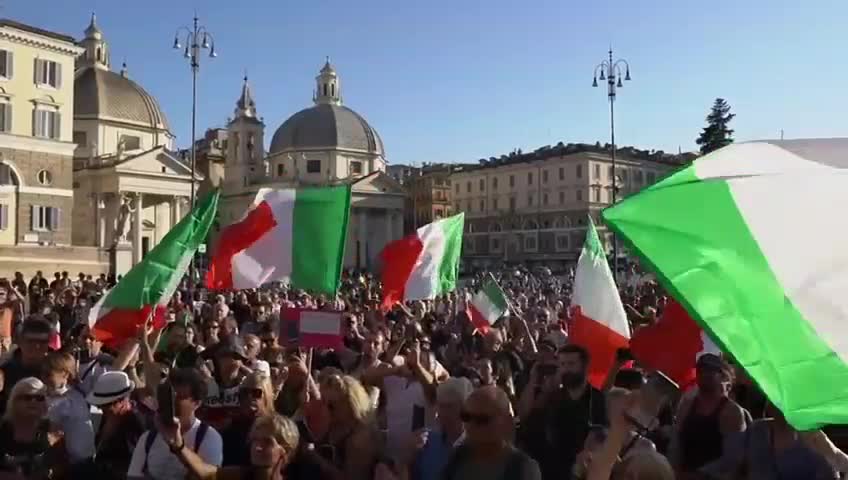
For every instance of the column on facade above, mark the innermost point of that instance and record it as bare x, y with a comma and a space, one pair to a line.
111, 206
98, 215
175, 204
137, 227
363, 238
389, 229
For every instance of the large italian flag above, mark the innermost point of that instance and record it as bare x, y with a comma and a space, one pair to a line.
286, 235
599, 323
752, 241
425, 264
148, 287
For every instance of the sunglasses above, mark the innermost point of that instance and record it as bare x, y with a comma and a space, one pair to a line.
34, 398
480, 419
254, 393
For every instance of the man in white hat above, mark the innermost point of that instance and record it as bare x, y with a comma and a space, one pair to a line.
121, 426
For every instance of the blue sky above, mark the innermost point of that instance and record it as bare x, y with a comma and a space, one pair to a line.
456, 80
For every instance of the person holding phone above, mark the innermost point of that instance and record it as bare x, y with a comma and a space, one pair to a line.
178, 400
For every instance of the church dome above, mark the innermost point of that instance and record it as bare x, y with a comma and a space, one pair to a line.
101, 93
326, 126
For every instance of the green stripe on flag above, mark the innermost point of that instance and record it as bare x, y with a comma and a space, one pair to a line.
495, 295
452, 228
693, 235
319, 231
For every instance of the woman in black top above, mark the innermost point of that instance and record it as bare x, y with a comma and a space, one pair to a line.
29, 446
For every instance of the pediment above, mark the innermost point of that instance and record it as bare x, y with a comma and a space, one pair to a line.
156, 161
378, 182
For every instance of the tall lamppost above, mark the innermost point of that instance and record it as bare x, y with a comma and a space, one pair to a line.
611, 72
195, 39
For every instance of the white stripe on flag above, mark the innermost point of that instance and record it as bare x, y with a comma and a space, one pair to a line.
320, 323
270, 258
487, 309
421, 284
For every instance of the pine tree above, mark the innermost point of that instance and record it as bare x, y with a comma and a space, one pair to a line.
717, 134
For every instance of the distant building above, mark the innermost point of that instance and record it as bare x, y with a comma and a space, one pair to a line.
402, 173
533, 208
429, 196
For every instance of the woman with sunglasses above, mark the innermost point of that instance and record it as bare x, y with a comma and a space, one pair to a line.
256, 400
30, 447
273, 441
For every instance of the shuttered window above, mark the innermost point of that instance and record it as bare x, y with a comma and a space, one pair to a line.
5, 117
7, 64
46, 122
4, 217
48, 73
45, 218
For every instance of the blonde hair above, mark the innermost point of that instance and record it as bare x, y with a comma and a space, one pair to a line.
647, 465
25, 386
263, 382
357, 397
283, 429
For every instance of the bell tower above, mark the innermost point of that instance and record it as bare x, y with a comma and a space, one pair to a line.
245, 143
328, 87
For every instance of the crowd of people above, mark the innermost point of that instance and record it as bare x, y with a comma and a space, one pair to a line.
225, 391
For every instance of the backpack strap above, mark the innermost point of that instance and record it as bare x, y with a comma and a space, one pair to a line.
148, 442
201, 434
516, 464
457, 458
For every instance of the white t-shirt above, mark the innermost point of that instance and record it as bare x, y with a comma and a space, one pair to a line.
163, 465
402, 396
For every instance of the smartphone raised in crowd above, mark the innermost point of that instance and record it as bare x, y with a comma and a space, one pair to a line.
418, 420
166, 402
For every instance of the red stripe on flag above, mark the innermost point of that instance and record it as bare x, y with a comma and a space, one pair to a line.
122, 324
477, 319
671, 345
236, 238
321, 340
601, 342
399, 258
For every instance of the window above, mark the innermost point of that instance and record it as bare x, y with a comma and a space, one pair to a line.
561, 197
482, 205
131, 142
6, 175
562, 242
530, 243
544, 176
44, 218
81, 139
495, 183
4, 217
511, 204
494, 204
333, 89
579, 171
545, 199
6, 64
313, 166
651, 177
496, 244
469, 206
596, 194
356, 167
281, 169
325, 89
610, 171
48, 73
530, 200
512, 180
457, 188
44, 177
596, 173
5, 116
482, 185
468, 187
529, 178
561, 173
579, 195
437, 213
46, 122
637, 177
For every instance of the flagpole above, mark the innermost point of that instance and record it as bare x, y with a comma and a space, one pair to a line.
515, 312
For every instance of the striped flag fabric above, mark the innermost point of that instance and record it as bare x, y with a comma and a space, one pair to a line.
148, 287
750, 240
599, 323
487, 305
296, 235
312, 328
425, 264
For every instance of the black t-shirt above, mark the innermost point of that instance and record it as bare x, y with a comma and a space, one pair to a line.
113, 453
29, 458
13, 372
236, 441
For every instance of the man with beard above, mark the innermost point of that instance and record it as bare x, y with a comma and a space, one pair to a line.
565, 420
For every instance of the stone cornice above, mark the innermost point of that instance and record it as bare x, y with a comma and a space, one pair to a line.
25, 38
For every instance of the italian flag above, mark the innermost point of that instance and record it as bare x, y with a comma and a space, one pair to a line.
487, 305
148, 287
425, 264
599, 323
751, 241
294, 235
